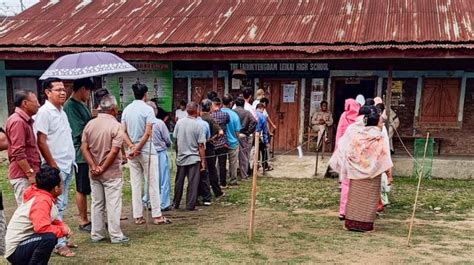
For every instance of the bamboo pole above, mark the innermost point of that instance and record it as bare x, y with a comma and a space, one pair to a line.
148, 183
254, 186
420, 176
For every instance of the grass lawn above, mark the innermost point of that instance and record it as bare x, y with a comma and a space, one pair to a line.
296, 222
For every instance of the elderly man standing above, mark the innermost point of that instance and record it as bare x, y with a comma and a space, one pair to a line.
248, 124
53, 134
190, 158
137, 122
23, 152
102, 140
79, 115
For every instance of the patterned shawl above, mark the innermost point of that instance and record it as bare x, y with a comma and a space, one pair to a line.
362, 153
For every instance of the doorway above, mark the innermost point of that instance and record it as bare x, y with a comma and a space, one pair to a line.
283, 111
350, 87
200, 87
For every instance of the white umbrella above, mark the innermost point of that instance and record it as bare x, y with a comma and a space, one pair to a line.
87, 64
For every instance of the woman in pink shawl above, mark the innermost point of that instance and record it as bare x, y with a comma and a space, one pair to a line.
361, 158
348, 117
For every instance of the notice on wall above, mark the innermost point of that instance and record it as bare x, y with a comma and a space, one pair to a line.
317, 95
236, 83
158, 77
397, 93
289, 93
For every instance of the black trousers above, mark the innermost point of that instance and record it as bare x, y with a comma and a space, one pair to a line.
204, 189
221, 154
263, 154
34, 250
212, 170
192, 172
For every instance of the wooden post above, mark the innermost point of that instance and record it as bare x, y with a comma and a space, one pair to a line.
253, 198
388, 100
420, 176
317, 161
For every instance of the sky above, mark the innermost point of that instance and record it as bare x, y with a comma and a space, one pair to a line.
12, 7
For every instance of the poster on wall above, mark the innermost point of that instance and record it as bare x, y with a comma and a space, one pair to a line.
289, 93
157, 76
317, 95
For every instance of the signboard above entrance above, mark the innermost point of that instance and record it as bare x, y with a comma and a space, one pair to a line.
280, 66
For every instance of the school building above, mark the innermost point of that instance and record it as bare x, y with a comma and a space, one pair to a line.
299, 52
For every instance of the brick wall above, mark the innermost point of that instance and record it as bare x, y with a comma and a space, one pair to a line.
456, 141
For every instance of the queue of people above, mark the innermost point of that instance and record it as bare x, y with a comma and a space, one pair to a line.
48, 145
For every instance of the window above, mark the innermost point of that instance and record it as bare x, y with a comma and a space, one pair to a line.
16, 83
440, 101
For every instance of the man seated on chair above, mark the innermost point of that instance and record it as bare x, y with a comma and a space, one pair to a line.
321, 120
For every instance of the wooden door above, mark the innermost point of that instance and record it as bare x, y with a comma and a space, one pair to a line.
200, 87
440, 100
285, 115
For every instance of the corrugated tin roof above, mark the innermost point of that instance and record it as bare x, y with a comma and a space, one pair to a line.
217, 23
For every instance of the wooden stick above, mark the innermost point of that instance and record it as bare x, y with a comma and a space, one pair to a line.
148, 184
254, 186
317, 160
420, 176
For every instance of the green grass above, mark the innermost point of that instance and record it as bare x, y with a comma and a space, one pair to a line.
296, 222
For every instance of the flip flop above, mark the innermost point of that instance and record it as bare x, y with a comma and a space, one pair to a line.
69, 244
269, 168
64, 251
122, 218
163, 221
140, 221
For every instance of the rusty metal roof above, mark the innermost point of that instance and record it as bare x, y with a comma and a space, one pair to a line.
190, 24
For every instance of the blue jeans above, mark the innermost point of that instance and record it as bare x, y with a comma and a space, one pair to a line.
165, 179
61, 201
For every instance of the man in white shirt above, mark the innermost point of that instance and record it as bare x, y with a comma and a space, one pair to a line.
181, 113
53, 134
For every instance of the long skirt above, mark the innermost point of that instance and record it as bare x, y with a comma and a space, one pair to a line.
361, 209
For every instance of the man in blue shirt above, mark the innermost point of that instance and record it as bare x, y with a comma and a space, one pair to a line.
262, 128
232, 134
137, 122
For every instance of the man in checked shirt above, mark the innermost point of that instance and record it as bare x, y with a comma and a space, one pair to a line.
220, 143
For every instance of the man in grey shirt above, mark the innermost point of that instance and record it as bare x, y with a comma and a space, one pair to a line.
190, 158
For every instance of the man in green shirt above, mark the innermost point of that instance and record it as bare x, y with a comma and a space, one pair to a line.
78, 115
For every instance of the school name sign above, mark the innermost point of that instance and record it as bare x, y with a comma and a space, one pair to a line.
281, 66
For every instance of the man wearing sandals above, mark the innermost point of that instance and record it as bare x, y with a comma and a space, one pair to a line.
79, 115
102, 140
137, 123
55, 144
36, 226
